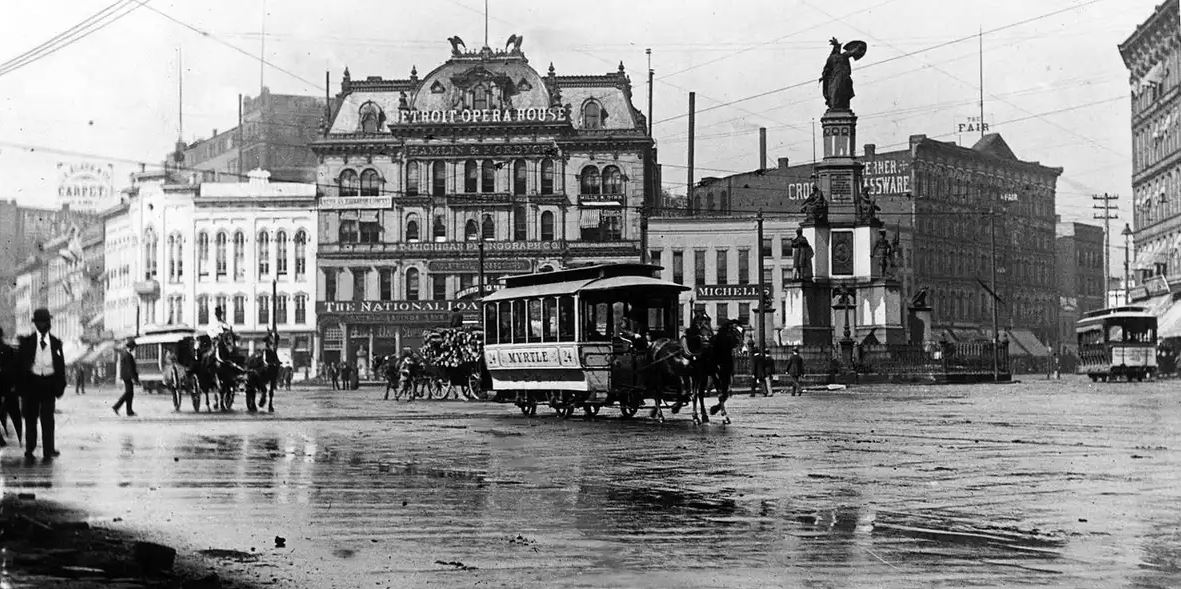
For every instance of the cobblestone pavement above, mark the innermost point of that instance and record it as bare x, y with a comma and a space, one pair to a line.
1061, 483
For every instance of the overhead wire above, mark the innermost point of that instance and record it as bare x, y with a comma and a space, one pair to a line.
84, 28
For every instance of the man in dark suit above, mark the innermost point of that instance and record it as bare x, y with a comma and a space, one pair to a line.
130, 374
41, 368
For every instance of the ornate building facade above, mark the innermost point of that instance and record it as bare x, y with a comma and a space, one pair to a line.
483, 153
1152, 55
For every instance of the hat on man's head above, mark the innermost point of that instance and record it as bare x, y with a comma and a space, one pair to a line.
41, 314
129, 342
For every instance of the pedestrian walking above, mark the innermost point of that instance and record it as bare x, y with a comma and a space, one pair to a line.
333, 375
79, 379
10, 406
795, 371
130, 374
761, 369
41, 370
288, 374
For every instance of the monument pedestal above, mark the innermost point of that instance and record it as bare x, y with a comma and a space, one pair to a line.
879, 311
807, 318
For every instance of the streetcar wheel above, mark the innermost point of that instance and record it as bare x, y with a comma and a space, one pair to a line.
590, 410
564, 411
527, 409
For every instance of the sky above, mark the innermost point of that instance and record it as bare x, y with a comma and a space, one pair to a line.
1054, 84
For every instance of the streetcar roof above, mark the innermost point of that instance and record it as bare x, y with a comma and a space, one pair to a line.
592, 284
167, 336
584, 273
1120, 311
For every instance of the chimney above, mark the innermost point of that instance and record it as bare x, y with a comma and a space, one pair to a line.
762, 148
783, 163
214, 134
870, 150
916, 139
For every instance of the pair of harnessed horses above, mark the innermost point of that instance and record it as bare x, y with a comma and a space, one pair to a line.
213, 367
706, 356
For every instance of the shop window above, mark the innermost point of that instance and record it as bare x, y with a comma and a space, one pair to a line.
488, 176
370, 183
589, 180
520, 177
348, 183
412, 178
471, 176
439, 229
412, 284
612, 227
612, 180
547, 176
547, 226
438, 178
471, 230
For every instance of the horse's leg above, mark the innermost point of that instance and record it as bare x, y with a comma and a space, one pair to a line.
700, 381
271, 398
724, 383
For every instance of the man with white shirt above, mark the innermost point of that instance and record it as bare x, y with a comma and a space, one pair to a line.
41, 368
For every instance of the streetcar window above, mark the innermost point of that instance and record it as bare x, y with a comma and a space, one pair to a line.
535, 320
595, 324
519, 322
550, 319
505, 315
490, 330
566, 319
657, 318
1115, 333
619, 316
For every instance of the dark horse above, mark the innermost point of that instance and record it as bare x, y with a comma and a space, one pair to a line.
715, 360
218, 370
262, 376
671, 366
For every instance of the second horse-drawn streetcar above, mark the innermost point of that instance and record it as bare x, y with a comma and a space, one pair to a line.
1117, 342
564, 338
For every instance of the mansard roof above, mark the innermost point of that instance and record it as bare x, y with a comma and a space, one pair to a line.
994, 145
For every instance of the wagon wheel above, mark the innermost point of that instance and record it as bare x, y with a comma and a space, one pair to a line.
475, 387
194, 390
437, 390
177, 388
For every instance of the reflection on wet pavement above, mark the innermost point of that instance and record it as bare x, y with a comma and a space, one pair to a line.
1066, 484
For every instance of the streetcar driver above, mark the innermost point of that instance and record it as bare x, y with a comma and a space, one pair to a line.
698, 334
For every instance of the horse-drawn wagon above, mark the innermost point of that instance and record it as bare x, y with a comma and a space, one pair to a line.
449, 362
604, 335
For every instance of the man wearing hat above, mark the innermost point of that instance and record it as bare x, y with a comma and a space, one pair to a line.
795, 371
130, 373
41, 368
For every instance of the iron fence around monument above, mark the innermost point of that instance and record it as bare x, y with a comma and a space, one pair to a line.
936, 361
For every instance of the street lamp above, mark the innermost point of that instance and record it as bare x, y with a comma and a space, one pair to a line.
845, 302
1127, 233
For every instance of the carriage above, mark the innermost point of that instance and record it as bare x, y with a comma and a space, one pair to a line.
585, 338
449, 359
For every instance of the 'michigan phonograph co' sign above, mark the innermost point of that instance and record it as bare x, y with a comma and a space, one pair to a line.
86, 186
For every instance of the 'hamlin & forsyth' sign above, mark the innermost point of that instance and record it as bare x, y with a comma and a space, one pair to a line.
714, 292
484, 115
481, 150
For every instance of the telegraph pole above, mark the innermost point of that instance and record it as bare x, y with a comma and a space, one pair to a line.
996, 340
692, 125
1108, 212
762, 286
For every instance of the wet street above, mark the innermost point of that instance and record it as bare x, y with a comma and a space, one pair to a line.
1065, 484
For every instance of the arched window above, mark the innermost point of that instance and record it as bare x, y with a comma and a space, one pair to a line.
589, 180
547, 176
202, 254
239, 309
370, 183
592, 115
264, 309
151, 243
724, 202
412, 178
479, 97
438, 178
612, 180
264, 253
172, 257
471, 176
348, 183
221, 254
281, 309
371, 117
488, 176
239, 255
301, 309
547, 226
520, 224
487, 227
471, 231
412, 227
412, 284
520, 177
281, 253
301, 254
202, 309
439, 229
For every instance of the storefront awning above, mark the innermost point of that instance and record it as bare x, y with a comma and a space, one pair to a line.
1028, 342
1168, 324
97, 353
590, 218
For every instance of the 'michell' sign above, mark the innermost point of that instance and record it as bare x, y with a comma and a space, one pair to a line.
714, 292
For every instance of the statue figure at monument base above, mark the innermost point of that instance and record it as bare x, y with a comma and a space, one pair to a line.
801, 256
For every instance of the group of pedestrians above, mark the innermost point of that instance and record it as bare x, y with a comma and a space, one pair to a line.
342, 375
32, 379
762, 367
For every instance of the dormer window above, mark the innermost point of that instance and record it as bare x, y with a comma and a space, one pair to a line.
592, 115
372, 117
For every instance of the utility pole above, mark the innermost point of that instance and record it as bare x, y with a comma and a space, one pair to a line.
650, 74
1127, 233
692, 125
1108, 212
996, 340
651, 189
241, 173
762, 286
275, 308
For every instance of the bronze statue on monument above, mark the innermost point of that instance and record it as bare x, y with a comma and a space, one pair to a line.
801, 256
836, 81
815, 208
883, 252
867, 208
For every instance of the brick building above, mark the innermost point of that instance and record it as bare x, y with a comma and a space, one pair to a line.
1081, 286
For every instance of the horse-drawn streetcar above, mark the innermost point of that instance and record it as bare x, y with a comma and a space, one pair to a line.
595, 336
